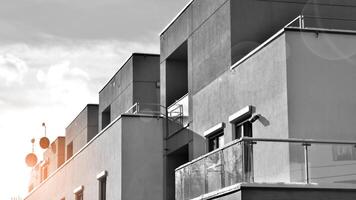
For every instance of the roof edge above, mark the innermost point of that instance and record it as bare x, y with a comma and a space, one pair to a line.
176, 17
127, 60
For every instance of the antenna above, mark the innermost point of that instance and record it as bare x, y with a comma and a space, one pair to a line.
45, 128
44, 141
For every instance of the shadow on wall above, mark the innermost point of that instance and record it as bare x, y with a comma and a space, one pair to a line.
264, 121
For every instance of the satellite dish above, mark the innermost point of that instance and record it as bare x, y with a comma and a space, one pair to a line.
31, 158
44, 141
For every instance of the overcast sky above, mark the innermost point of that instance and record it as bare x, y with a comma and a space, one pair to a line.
55, 55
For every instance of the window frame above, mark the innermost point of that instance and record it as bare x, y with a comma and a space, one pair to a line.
215, 137
246, 126
79, 193
102, 183
240, 119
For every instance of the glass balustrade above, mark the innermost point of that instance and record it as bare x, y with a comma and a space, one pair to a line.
255, 160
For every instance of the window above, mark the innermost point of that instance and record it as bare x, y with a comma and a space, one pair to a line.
216, 141
106, 117
69, 150
102, 188
102, 184
242, 122
215, 136
243, 129
44, 172
78, 193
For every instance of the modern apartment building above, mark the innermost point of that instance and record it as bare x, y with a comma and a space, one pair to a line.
128, 149
249, 99
53, 158
256, 69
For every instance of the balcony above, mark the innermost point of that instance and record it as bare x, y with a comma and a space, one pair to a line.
146, 109
178, 112
281, 161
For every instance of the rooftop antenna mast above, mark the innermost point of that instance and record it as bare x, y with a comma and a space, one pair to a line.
44, 141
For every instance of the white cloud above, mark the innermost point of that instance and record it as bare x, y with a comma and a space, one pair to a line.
58, 80
12, 69
62, 89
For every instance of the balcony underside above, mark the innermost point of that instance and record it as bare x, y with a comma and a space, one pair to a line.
255, 191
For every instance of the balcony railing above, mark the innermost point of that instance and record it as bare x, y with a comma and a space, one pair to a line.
178, 112
305, 22
256, 160
146, 108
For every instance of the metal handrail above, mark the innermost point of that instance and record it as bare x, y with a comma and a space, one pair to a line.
138, 109
133, 106
181, 98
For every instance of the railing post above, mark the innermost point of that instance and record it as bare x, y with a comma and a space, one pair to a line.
222, 171
243, 152
306, 163
301, 21
137, 107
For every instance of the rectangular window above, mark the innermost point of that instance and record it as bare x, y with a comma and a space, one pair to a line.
79, 195
106, 117
102, 188
45, 172
216, 140
243, 129
69, 150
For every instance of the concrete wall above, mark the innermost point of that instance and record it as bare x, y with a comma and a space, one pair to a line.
322, 100
275, 193
271, 192
82, 128
130, 150
321, 85
83, 168
118, 92
205, 26
35, 177
209, 45
146, 77
54, 156
136, 81
261, 82
142, 158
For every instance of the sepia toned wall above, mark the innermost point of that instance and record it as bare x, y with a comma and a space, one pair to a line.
130, 150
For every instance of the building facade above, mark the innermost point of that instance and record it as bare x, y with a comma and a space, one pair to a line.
249, 99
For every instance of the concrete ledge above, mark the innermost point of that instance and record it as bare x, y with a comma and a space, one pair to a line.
214, 129
78, 189
102, 174
278, 187
246, 111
